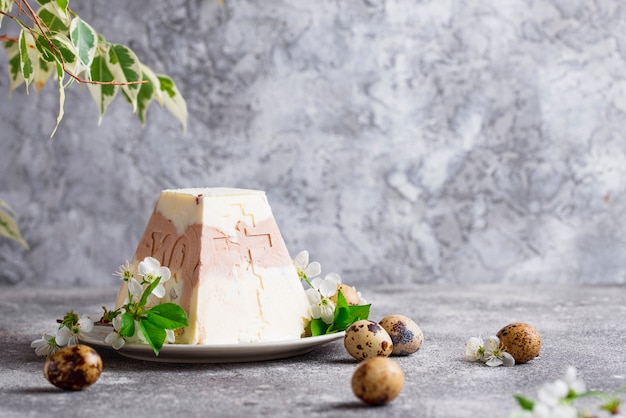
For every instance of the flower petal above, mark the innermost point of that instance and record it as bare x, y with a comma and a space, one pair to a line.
328, 312
317, 282
134, 287
328, 288
313, 270
148, 266
492, 344
85, 324
493, 361
159, 291
316, 312
507, 359
301, 260
313, 296
63, 336
165, 274
333, 277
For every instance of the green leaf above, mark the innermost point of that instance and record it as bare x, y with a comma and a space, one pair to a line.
128, 325
525, 403
168, 316
155, 335
85, 39
125, 67
102, 94
147, 291
354, 313
345, 314
69, 320
318, 327
26, 62
172, 99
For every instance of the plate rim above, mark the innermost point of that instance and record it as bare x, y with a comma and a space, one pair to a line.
213, 353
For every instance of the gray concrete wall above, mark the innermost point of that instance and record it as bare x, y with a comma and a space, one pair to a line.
398, 141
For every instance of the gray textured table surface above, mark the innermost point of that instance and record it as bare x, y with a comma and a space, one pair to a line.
582, 326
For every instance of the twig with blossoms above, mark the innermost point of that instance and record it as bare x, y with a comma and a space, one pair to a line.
492, 353
71, 327
329, 308
137, 320
556, 399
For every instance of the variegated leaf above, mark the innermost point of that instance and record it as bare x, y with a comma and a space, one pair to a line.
53, 18
8, 226
60, 76
68, 54
149, 91
62, 4
173, 100
5, 6
43, 72
85, 39
28, 56
15, 73
125, 67
103, 94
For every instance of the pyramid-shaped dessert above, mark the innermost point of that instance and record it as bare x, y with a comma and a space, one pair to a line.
231, 271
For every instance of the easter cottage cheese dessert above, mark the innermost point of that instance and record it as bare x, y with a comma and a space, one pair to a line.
230, 268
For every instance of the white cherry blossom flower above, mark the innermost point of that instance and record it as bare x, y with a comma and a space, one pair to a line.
306, 270
46, 345
150, 269
114, 338
70, 335
321, 306
126, 271
494, 355
489, 353
474, 349
319, 297
574, 384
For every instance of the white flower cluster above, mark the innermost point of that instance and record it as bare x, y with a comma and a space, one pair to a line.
491, 353
321, 290
555, 400
138, 279
68, 333
147, 271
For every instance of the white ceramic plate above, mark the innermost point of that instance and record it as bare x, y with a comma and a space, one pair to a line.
219, 353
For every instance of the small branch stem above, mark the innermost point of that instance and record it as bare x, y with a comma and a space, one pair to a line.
25, 8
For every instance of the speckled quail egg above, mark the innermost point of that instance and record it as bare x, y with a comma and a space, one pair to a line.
520, 340
377, 381
365, 339
351, 295
73, 368
406, 335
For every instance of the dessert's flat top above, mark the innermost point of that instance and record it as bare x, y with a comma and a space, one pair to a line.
213, 191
